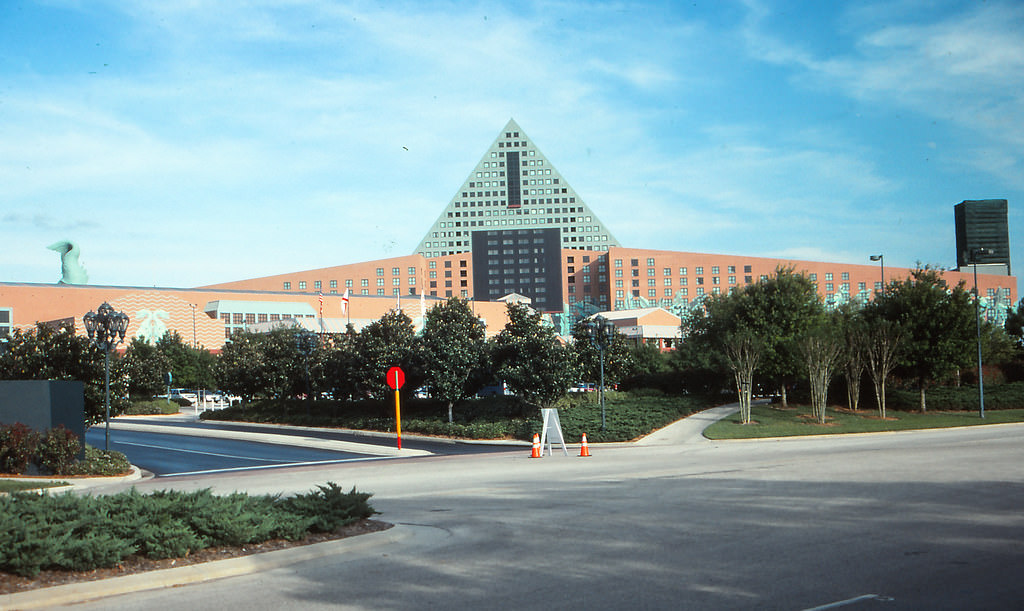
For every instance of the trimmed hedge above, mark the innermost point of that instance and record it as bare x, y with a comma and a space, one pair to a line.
80, 533
628, 415
952, 398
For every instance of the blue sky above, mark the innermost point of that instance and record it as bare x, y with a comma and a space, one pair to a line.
190, 143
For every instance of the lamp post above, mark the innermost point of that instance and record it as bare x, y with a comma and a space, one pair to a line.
973, 256
106, 330
881, 260
601, 330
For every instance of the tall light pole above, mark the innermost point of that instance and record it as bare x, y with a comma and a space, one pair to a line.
106, 330
881, 260
195, 344
601, 331
973, 256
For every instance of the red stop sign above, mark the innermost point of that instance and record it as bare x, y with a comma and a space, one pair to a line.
396, 378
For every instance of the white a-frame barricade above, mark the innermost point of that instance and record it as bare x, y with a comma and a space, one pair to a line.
551, 424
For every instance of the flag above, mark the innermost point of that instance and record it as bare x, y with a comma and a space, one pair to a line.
321, 295
344, 302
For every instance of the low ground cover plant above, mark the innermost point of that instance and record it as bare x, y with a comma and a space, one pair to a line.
72, 532
628, 415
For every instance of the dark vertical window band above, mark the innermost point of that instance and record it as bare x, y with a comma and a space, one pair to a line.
514, 190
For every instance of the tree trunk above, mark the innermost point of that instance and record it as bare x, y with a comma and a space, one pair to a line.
785, 404
924, 407
449, 412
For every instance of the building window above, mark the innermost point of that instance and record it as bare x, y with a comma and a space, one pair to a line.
287, 286
317, 285
302, 285
5, 322
828, 276
380, 271
334, 284
618, 263
682, 271
348, 284
699, 271
714, 269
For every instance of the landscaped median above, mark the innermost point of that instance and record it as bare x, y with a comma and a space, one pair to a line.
772, 421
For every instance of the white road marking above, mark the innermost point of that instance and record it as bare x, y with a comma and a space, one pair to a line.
294, 464
848, 601
146, 445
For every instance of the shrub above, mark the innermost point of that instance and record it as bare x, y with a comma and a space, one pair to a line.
329, 508
58, 449
155, 407
102, 462
17, 447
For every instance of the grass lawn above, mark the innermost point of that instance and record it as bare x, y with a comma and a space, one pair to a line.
769, 421
17, 485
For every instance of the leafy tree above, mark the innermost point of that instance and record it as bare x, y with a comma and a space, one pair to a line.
618, 361
743, 352
238, 365
821, 348
191, 367
852, 334
776, 311
341, 365
937, 325
881, 351
529, 357
455, 351
780, 310
1014, 324
47, 353
385, 343
145, 367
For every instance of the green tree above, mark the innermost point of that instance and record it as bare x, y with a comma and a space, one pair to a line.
47, 353
821, 348
238, 365
388, 342
881, 353
191, 367
780, 311
529, 357
145, 367
777, 311
454, 350
618, 359
1014, 324
341, 365
937, 326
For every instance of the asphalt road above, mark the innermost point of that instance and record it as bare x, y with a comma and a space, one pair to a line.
174, 454
921, 520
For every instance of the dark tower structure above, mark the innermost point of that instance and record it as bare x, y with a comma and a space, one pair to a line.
982, 223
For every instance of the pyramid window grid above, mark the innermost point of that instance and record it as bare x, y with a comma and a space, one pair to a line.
451, 233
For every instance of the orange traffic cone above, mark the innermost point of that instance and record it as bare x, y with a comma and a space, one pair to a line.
584, 450
536, 446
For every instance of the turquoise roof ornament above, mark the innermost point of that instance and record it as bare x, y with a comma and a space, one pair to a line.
71, 269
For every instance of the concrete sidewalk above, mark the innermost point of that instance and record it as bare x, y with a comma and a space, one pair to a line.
689, 429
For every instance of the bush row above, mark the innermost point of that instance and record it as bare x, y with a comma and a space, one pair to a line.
69, 532
55, 452
957, 398
628, 415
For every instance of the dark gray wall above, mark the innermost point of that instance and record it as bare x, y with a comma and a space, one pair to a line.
43, 404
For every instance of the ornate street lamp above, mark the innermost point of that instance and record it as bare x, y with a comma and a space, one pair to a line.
881, 260
601, 331
106, 330
973, 258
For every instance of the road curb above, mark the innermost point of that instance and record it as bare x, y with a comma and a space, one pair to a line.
209, 571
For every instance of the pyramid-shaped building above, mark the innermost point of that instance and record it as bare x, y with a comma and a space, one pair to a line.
514, 186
